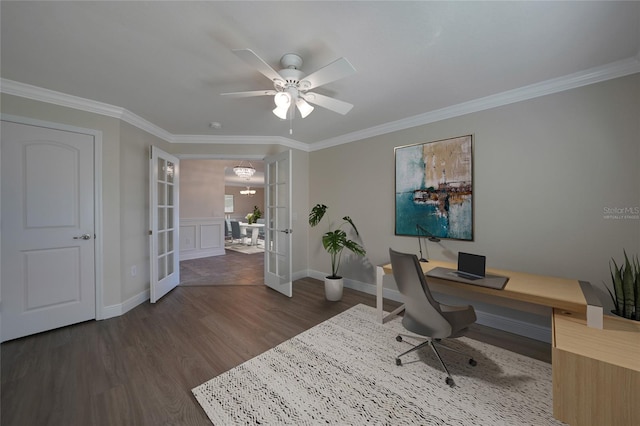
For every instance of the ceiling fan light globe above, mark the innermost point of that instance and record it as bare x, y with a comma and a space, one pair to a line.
304, 108
282, 99
281, 111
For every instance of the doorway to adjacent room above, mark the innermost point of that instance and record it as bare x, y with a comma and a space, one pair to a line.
211, 189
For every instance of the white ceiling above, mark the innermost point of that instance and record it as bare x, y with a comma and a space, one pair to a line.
167, 62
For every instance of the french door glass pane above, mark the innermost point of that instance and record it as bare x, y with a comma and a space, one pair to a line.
169, 195
170, 264
162, 260
161, 242
170, 171
161, 170
169, 218
161, 219
169, 240
161, 194
272, 173
273, 263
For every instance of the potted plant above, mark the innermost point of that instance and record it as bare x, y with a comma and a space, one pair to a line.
334, 242
253, 217
626, 287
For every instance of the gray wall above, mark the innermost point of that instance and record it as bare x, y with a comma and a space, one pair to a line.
545, 170
201, 189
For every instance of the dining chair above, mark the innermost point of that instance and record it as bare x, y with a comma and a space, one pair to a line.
236, 233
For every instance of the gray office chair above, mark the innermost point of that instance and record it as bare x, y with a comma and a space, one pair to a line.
424, 315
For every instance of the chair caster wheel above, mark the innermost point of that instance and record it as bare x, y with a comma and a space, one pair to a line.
398, 338
398, 362
450, 382
473, 362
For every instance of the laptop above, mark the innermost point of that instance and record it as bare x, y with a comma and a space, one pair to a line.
471, 270
471, 266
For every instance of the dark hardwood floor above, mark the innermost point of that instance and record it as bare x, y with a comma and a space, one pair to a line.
231, 269
139, 368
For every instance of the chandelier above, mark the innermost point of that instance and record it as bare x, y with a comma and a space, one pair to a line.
244, 171
248, 192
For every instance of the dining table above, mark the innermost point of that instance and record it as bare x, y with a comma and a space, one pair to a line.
255, 228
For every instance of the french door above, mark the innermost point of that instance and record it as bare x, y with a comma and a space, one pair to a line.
164, 219
277, 265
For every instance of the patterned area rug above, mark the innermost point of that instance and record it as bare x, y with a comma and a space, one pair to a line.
243, 248
343, 372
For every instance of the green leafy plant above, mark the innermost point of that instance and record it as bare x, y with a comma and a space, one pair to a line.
334, 242
626, 287
253, 217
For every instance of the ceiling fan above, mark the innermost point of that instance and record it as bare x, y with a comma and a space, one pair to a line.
291, 86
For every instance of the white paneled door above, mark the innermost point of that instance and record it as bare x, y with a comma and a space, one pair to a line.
277, 265
164, 218
48, 229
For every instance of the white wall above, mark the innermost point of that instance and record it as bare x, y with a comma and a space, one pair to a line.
544, 171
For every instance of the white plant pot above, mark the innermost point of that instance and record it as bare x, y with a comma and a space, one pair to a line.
333, 288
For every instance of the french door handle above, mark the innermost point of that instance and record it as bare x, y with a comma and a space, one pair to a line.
83, 237
287, 231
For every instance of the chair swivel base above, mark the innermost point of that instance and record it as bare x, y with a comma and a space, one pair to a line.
431, 343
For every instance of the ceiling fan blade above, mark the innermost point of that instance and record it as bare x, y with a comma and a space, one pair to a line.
335, 105
249, 94
336, 70
250, 57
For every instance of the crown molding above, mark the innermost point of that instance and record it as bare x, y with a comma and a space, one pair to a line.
583, 78
241, 140
29, 91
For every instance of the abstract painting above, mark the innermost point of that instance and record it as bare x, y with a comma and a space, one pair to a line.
434, 189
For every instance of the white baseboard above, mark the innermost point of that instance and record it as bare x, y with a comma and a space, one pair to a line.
511, 325
298, 275
124, 307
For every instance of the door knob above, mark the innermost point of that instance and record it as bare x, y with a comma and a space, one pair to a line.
83, 237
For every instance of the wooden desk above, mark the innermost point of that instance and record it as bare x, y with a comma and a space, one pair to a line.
595, 362
560, 293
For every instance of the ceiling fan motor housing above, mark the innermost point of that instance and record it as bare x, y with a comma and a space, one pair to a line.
291, 60
291, 78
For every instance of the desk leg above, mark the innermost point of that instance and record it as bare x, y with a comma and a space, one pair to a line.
379, 288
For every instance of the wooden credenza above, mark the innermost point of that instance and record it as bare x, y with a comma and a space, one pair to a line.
596, 372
